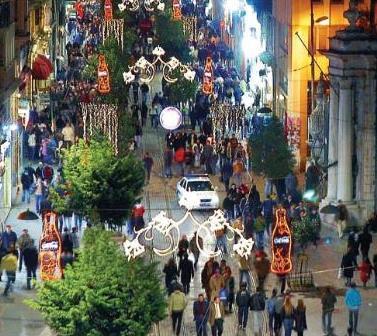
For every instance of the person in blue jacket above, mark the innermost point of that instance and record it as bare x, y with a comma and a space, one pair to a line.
353, 303
201, 313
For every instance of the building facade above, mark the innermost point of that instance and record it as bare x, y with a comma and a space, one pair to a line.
292, 20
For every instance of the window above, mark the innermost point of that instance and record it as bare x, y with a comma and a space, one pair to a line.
200, 186
336, 2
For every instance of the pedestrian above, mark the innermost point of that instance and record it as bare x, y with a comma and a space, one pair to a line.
201, 314
271, 303
9, 265
287, 314
30, 255
171, 272
75, 238
229, 288
257, 306
365, 270
216, 283
268, 212
148, 164
177, 304
243, 265
186, 269
168, 162
206, 276
300, 318
278, 316
183, 246
341, 222
353, 303
216, 316
226, 173
67, 244
328, 301
365, 240
262, 267
38, 195
138, 135
8, 238
348, 265
259, 227
375, 269
26, 182
196, 244
23, 242
179, 158
242, 301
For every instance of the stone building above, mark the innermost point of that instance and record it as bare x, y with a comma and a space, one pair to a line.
352, 120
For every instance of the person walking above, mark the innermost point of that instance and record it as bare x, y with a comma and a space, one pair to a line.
341, 222
242, 301
365, 270
23, 242
8, 238
194, 248
38, 195
278, 315
229, 288
365, 240
201, 314
300, 318
177, 304
271, 303
148, 164
9, 265
348, 265
262, 267
171, 272
26, 182
353, 302
287, 315
168, 162
328, 301
186, 269
257, 306
30, 255
216, 317
216, 283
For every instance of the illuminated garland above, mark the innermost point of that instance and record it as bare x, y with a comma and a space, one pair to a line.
149, 5
190, 29
102, 117
145, 70
169, 228
113, 28
227, 118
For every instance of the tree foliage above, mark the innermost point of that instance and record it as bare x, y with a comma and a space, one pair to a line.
102, 293
183, 90
304, 231
270, 153
97, 182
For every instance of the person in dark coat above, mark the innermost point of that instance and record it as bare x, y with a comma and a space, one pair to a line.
254, 200
365, 240
348, 265
183, 246
8, 238
148, 164
67, 243
226, 173
300, 318
30, 255
201, 313
171, 272
186, 269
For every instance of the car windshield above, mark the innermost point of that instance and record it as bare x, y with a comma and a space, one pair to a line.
200, 186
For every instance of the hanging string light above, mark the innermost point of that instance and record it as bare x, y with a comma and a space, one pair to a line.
145, 70
101, 117
228, 118
149, 5
169, 228
190, 28
113, 28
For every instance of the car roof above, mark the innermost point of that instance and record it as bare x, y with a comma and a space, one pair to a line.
196, 177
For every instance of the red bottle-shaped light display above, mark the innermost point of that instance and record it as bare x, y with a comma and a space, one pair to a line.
108, 10
103, 75
281, 245
50, 246
208, 77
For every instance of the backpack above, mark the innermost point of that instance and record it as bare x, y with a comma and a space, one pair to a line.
257, 302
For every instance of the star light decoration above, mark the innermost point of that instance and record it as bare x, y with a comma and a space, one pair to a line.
149, 5
145, 70
166, 226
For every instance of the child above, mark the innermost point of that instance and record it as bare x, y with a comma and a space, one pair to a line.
365, 271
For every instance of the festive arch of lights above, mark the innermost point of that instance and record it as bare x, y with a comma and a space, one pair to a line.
170, 228
145, 70
149, 5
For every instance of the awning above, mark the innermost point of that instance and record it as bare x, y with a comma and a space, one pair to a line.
42, 68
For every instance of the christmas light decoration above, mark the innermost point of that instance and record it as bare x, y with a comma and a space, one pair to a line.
103, 75
113, 28
145, 70
102, 117
281, 244
176, 10
169, 228
50, 247
208, 77
190, 28
227, 118
149, 5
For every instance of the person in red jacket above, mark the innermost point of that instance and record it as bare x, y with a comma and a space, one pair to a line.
137, 219
179, 157
365, 271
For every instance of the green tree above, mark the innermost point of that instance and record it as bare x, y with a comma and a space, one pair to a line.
270, 153
183, 90
304, 231
97, 182
102, 293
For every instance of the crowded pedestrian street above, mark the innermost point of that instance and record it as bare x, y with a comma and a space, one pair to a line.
188, 167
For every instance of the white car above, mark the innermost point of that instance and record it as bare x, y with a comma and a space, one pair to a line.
196, 192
